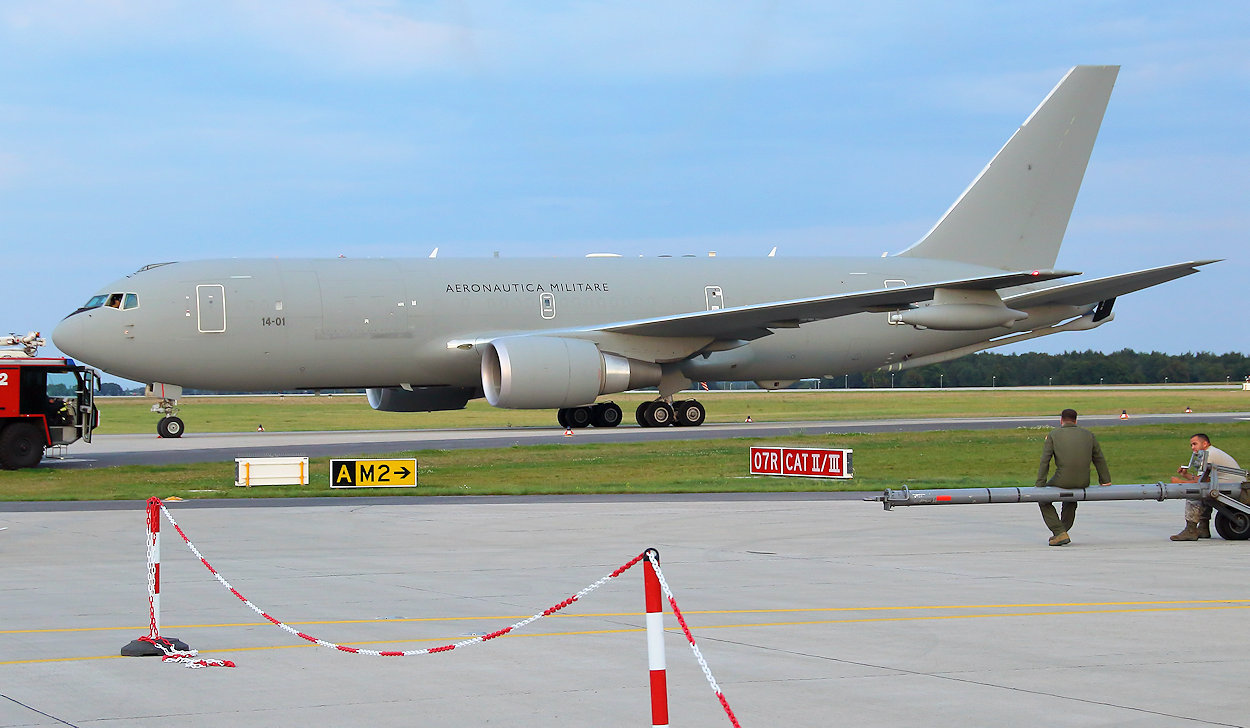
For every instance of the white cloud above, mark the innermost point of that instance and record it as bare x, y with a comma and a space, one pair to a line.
644, 38
360, 35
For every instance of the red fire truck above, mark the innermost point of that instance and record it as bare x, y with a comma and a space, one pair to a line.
44, 402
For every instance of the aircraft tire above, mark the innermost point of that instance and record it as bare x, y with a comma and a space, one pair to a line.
170, 427
659, 414
641, 415
689, 413
578, 417
1235, 528
562, 416
607, 414
21, 446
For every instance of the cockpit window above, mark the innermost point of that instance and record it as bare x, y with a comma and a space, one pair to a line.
125, 301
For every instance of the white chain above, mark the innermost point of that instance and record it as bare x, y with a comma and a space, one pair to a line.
377, 653
655, 564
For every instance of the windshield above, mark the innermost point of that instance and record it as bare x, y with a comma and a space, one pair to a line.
112, 300
96, 301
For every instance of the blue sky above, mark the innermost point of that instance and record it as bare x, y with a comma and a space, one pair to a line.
134, 132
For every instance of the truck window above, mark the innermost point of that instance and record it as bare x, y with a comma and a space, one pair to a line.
62, 397
62, 384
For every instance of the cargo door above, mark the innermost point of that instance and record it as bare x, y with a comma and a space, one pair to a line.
211, 303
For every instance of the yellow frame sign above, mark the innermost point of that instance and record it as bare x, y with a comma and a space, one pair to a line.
373, 473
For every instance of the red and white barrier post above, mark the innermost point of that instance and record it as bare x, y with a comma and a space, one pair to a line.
655, 643
154, 645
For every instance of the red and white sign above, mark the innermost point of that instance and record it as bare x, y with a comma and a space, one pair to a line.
802, 462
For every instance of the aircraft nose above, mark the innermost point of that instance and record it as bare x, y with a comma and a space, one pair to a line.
70, 336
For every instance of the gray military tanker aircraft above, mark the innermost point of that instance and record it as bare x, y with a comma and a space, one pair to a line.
432, 333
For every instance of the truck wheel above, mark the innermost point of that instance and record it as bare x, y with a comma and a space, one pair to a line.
1233, 528
21, 446
169, 427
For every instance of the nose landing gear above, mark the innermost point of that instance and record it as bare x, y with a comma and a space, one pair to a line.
169, 425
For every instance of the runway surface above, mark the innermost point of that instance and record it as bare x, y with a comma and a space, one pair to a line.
106, 450
810, 611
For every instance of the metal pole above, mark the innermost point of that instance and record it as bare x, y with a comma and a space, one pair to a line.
154, 645
655, 643
1226, 493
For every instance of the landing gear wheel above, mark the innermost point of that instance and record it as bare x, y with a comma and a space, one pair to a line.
170, 427
1232, 528
689, 413
577, 417
606, 415
640, 415
21, 446
562, 416
656, 414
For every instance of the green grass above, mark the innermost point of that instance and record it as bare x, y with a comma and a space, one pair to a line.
884, 460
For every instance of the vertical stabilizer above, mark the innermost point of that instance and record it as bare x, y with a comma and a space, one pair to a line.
1014, 214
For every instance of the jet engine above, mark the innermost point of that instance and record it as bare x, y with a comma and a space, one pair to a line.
419, 399
540, 372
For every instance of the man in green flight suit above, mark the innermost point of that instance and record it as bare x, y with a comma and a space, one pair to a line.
1074, 449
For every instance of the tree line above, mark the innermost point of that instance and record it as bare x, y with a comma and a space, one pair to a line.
987, 369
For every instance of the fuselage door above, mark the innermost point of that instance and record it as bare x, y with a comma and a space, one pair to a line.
211, 301
715, 300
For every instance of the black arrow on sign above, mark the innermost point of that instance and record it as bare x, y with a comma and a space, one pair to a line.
403, 473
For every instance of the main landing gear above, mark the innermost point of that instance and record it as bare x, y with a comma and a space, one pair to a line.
606, 414
682, 413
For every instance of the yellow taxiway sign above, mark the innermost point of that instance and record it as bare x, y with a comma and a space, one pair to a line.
373, 473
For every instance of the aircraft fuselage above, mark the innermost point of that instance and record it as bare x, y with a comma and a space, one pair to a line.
254, 324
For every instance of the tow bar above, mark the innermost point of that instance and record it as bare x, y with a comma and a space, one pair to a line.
1225, 488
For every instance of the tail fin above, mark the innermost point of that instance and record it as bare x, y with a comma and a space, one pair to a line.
1014, 214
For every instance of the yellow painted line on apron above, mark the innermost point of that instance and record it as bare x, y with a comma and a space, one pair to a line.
396, 620
1061, 610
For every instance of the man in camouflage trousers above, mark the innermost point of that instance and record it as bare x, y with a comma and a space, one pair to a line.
1198, 511
1074, 449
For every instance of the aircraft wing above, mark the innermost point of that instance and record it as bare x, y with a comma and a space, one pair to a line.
1100, 289
756, 320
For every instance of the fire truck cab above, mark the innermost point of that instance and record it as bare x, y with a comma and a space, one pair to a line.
44, 402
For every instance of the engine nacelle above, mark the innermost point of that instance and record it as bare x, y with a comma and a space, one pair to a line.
961, 316
418, 399
543, 372
960, 310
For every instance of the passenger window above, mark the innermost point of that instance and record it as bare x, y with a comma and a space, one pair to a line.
132, 301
